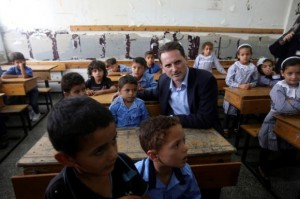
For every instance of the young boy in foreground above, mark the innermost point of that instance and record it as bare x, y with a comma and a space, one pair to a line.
84, 135
165, 169
73, 84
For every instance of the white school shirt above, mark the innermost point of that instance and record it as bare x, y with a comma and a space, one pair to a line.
207, 63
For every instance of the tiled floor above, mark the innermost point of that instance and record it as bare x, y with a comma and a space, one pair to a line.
284, 182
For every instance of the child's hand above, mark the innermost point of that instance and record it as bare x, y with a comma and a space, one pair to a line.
99, 92
244, 86
115, 96
90, 92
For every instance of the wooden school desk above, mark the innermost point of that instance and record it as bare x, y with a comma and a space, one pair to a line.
17, 86
220, 81
42, 72
205, 146
104, 99
288, 128
253, 101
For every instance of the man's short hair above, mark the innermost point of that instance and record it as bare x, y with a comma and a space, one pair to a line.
69, 80
173, 45
73, 119
152, 132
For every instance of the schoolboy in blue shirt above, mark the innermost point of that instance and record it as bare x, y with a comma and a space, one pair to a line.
145, 80
113, 68
152, 67
128, 110
87, 147
20, 70
165, 169
73, 84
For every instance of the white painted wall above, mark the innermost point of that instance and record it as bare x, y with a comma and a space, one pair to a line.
60, 14
20, 19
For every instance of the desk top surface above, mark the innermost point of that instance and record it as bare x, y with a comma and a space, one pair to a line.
201, 143
45, 67
253, 92
104, 99
293, 120
17, 80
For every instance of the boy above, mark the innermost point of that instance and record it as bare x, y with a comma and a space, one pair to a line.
128, 110
73, 84
145, 80
152, 67
20, 70
87, 147
165, 169
114, 68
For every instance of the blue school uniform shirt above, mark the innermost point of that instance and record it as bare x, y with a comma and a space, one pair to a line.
181, 185
128, 117
147, 81
153, 69
15, 71
124, 68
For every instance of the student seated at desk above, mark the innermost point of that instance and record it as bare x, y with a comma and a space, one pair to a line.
152, 67
98, 83
113, 68
242, 74
72, 84
285, 99
267, 75
127, 109
88, 149
145, 80
20, 70
207, 59
166, 171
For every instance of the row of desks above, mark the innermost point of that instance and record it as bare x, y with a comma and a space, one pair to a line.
205, 146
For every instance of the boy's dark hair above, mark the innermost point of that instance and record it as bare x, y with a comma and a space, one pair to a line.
150, 52
74, 119
127, 79
173, 45
69, 80
16, 56
110, 61
208, 43
140, 60
99, 65
290, 61
152, 132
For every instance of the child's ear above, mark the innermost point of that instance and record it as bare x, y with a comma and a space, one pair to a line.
64, 159
281, 72
152, 154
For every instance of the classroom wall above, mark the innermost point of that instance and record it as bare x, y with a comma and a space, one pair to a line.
41, 28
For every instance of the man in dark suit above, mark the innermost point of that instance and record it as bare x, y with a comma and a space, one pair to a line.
188, 93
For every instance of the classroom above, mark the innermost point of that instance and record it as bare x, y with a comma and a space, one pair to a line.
225, 122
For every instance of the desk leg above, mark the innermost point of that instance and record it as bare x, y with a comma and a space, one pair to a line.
237, 136
46, 83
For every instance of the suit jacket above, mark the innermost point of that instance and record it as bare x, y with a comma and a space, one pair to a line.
202, 98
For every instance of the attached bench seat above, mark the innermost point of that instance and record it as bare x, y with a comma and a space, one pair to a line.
251, 130
46, 92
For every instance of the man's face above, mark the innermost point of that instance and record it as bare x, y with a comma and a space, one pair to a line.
174, 65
